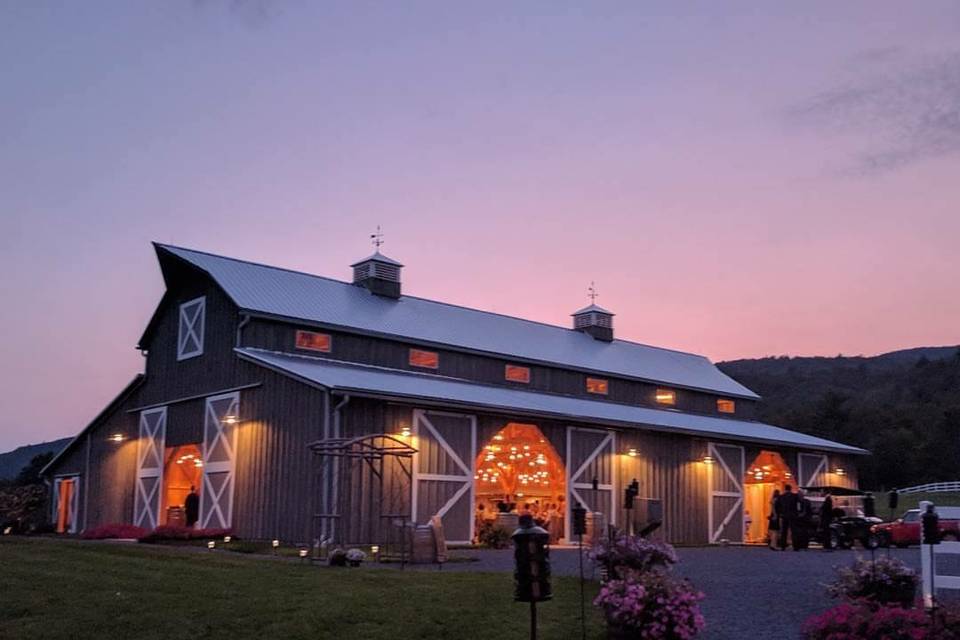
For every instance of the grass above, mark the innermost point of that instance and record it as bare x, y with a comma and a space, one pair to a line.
912, 501
68, 589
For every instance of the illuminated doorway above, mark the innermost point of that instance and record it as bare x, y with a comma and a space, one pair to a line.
519, 472
183, 470
766, 474
65, 490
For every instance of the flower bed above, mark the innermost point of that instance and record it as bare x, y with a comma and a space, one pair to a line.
166, 533
116, 530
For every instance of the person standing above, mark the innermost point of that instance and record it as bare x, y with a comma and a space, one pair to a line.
192, 507
788, 517
826, 519
804, 521
773, 524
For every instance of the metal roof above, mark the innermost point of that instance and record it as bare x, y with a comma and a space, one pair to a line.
273, 291
395, 384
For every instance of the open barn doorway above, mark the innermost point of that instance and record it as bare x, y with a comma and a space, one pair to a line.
182, 474
767, 473
519, 472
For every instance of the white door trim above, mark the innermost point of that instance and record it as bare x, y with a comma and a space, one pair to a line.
714, 532
144, 514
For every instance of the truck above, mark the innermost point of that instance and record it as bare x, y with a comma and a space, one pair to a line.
905, 530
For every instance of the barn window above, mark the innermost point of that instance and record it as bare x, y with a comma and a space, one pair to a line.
516, 373
666, 396
313, 341
597, 385
425, 359
726, 406
190, 333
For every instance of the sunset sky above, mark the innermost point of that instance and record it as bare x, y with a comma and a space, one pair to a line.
740, 179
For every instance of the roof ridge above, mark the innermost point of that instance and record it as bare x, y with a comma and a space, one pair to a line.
428, 300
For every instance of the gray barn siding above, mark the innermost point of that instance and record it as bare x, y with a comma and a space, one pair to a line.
280, 336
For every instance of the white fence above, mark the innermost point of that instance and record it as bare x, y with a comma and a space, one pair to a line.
928, 563
933, 487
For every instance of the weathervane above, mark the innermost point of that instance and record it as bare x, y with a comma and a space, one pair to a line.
377, 238
592, 293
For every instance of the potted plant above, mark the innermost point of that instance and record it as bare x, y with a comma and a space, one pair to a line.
880, 582
654, 606
355, 557
338, 558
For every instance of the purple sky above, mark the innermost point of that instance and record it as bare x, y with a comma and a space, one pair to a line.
740, 180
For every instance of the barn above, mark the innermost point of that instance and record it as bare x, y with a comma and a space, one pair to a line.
305, 408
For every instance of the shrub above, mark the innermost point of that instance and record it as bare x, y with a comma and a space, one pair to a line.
627, 555
165, 533
116, 530
856, 621
877, 582
651, 606
494, 537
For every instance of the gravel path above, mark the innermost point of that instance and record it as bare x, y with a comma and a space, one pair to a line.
751, 592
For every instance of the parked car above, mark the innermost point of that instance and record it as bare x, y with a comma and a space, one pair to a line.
853, 520
905, 531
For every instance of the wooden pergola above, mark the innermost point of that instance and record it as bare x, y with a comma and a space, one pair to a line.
373, 450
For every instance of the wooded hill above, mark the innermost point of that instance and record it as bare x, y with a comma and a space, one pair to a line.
903, 406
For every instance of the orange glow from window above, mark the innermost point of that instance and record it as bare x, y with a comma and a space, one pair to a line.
596, 385
726, 406
313, 341
426, 359
666, 396
516, 373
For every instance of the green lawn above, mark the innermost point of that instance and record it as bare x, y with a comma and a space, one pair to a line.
912, 501
68, 589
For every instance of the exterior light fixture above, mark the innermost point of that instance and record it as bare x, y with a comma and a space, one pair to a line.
226, 539
707, 459
116, 437
840, 472
211, 545
230, 419
632, 452
405, 432
375, 549
303, 554
276, 544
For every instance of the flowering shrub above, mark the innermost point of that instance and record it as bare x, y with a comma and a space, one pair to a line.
879, 582
651, 607
166, 532
114, 531
355, 556
630, 555
849, 621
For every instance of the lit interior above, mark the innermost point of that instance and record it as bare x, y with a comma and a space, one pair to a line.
183, 469
519, 471
63, 504
765, 474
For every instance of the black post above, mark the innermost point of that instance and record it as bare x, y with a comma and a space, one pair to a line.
533, 620
583, 615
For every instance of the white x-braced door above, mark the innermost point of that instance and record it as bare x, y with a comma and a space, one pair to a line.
221, 420
66, 488
812, 469
150, 450
446, 446
591, 460
725, 476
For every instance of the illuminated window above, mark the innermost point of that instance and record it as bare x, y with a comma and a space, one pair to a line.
666, 396
313, 341
426, 359
726, 406
596, 385
515, 373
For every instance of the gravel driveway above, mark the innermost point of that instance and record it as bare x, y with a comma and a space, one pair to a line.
751, 592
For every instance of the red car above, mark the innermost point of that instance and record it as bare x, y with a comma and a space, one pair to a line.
906, 530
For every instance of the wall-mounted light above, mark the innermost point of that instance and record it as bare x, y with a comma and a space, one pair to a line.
632, 452
840, 472
405, 432
707, 459
117, 437
230, 419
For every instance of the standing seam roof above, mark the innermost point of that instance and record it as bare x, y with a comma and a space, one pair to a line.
279, 292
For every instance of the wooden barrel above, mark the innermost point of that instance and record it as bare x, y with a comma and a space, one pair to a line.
424, 547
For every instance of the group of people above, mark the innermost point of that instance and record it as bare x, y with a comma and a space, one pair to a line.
792, 520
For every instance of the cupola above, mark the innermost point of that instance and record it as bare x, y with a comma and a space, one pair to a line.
594, 320
378, 273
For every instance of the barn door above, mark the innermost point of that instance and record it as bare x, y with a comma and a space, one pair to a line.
725, 511
591, 454
812, 468
221, 419
150, 448
446, 446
